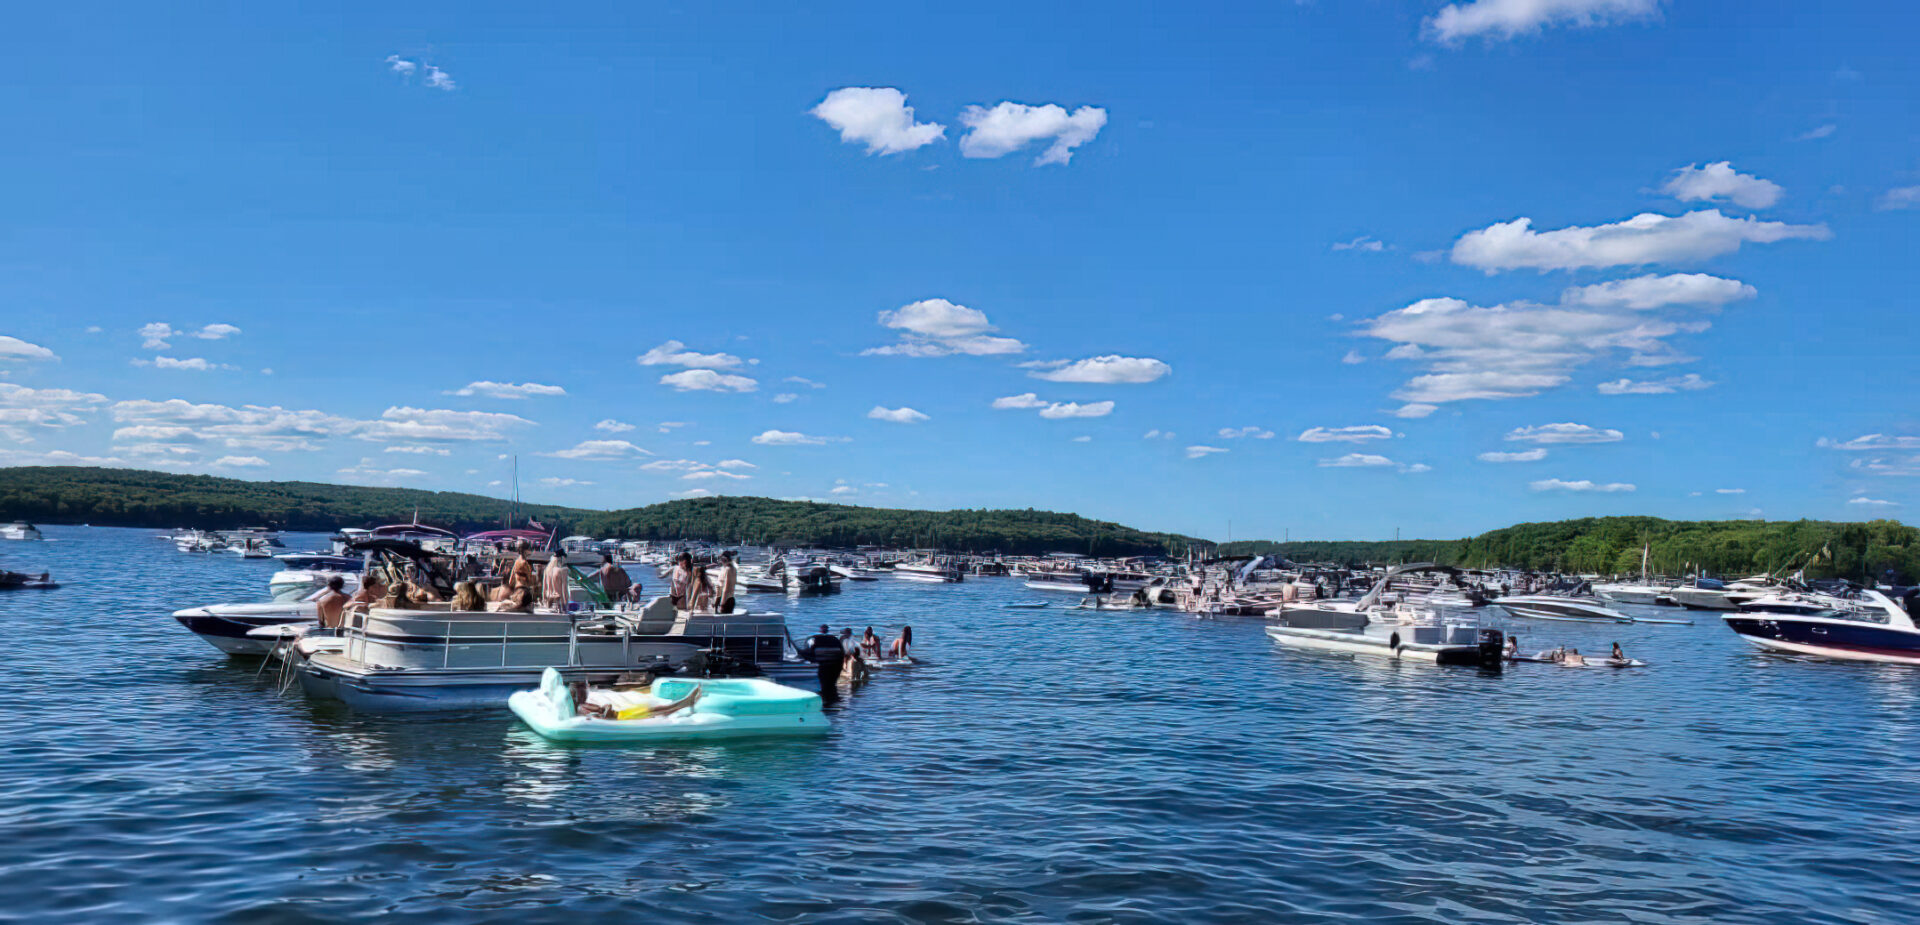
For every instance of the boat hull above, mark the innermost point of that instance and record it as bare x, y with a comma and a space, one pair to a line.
225, 626
1562, 611
1828, 639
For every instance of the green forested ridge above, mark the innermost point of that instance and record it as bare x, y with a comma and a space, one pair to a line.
142, 498
1611, 545
756, 521
1608, 545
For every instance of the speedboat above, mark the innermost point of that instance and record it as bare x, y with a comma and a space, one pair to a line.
1872, 628
226, 626
931, 570
299, 584
1709, 594
20, 530
702, 708
1563, 607
319, 561
1629, 593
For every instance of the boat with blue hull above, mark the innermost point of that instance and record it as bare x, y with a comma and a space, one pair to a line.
1870, 628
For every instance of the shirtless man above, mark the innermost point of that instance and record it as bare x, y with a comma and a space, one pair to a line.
332, 603
729, 577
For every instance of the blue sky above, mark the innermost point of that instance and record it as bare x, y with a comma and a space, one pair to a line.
330, 223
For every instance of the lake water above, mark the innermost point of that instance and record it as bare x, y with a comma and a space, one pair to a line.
1047, 766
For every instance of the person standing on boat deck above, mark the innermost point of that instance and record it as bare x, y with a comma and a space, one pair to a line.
729, 578
614, 580
553, 584
332, 603
827, 655
677, 580
699, 591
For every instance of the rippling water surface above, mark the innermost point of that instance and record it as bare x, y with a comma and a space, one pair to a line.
1048, 766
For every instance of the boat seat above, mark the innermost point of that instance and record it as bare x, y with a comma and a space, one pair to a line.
656, 619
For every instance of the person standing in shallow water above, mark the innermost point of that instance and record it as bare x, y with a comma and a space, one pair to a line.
827, 654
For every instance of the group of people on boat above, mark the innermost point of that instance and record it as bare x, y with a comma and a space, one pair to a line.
699, 589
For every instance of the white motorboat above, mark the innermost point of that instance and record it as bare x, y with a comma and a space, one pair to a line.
20, 530
931, 570
1709, 594
1870, 628
1399, 631
1630, 593
226, 626
299, 584
1561, 607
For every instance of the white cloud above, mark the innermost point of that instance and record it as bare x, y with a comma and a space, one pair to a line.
1009, 126
1694, 183
1415, 410
56, 458
1362, 243
714, 474
1515, 350
401, 65
438, 79
1580, 485
1817, 132
253, 427
672, 465
1534, 455
1022, 401
802, 380
1643, 239
1198, 450
367, 471
406, 424
877, 117
1236, 433
675, 353
1357, 461
196, 364
1507, 19
1357, 434
1865, 501
1905, 197
508, 390
409, 450
1565, 433
240, 462
1083, 438
1158, 434
553, 481
612, 426
1070, 409
693, 493
600, 449
937, 327
1729, 491
157, 335
1690, 382
901, 415
785, 398
844, 490
50, 408
791, 438
735, 464
1109, 370
1899, 466
1656, 291
1867, 442
1353, 358
706, 380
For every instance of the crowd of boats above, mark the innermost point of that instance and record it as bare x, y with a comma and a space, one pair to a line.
600, 653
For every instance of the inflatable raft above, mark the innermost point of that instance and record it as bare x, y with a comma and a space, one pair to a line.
725, 708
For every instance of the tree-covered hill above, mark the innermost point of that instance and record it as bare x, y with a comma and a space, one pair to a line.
1611, 545
142, 498
756, 521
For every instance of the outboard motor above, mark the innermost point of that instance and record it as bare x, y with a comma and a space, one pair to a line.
1493, 655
